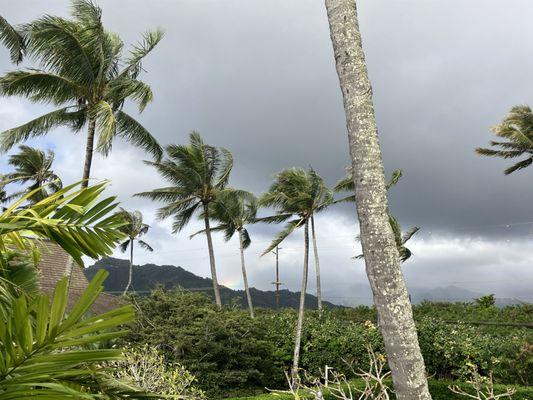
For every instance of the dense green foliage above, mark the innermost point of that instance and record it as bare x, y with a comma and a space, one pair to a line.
226, 350
229, 352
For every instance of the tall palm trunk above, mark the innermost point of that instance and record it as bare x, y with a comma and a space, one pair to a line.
244, 277
381, 255
89, 148
216, 289
130, 273
317, 267
299, 325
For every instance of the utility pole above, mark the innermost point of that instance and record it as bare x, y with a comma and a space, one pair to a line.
277, 283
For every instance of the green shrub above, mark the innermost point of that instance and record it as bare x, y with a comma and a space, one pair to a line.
146, 368
231, 353
225, 349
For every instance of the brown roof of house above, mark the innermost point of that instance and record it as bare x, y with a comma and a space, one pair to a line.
55, 264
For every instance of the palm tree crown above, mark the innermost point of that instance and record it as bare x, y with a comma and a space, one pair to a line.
133, 228
198, 173
517, 132
347, 185
34, 166
234, 210
295, 193
83, 71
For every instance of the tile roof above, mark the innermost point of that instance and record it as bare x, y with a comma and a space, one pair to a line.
55, 264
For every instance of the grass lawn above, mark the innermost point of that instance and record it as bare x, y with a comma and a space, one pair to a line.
439, 391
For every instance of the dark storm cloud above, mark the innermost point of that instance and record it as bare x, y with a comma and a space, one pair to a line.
258, 77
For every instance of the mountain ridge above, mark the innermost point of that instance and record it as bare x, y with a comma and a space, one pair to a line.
148, 276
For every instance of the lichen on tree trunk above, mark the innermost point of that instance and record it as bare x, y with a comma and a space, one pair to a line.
381, 255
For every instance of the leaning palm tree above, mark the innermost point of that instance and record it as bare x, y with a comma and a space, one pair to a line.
296, 195
83, 71
516, 130
400, 238
379, 248
33, 166
234, 210
134, 228
197, 174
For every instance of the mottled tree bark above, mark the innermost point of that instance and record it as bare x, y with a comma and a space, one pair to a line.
244, 277
216, 288
89, 148
299, 324
379, 249
317, 267
130, 272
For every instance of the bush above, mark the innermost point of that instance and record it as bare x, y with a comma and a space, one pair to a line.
145, 368
231, 353
225, 349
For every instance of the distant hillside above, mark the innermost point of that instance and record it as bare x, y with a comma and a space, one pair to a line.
147, 277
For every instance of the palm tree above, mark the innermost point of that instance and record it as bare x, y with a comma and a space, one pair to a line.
400, 238
296, 195
34, 166
234, 210
382, 260
133, 229
83, 71
516, 130
198, 173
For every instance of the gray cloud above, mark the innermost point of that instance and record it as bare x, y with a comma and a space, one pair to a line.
258, 77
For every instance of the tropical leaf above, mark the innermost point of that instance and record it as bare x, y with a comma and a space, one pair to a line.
46, 354
75, 219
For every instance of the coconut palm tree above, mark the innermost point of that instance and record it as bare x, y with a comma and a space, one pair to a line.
516, 131
382, 260
234, 210
34, 166
133, 229
296, 195
84, 73
400, 238
197, 173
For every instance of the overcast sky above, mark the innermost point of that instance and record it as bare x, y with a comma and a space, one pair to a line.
258, 77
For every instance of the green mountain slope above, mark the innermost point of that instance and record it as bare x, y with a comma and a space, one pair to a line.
147, 277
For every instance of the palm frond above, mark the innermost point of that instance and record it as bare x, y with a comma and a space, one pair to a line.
394, 179
136, 134
144, 245
106, 123
409, 234
40, 126
39, 86
289, 228
141, 50
13, 40
72, 218
519, 165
